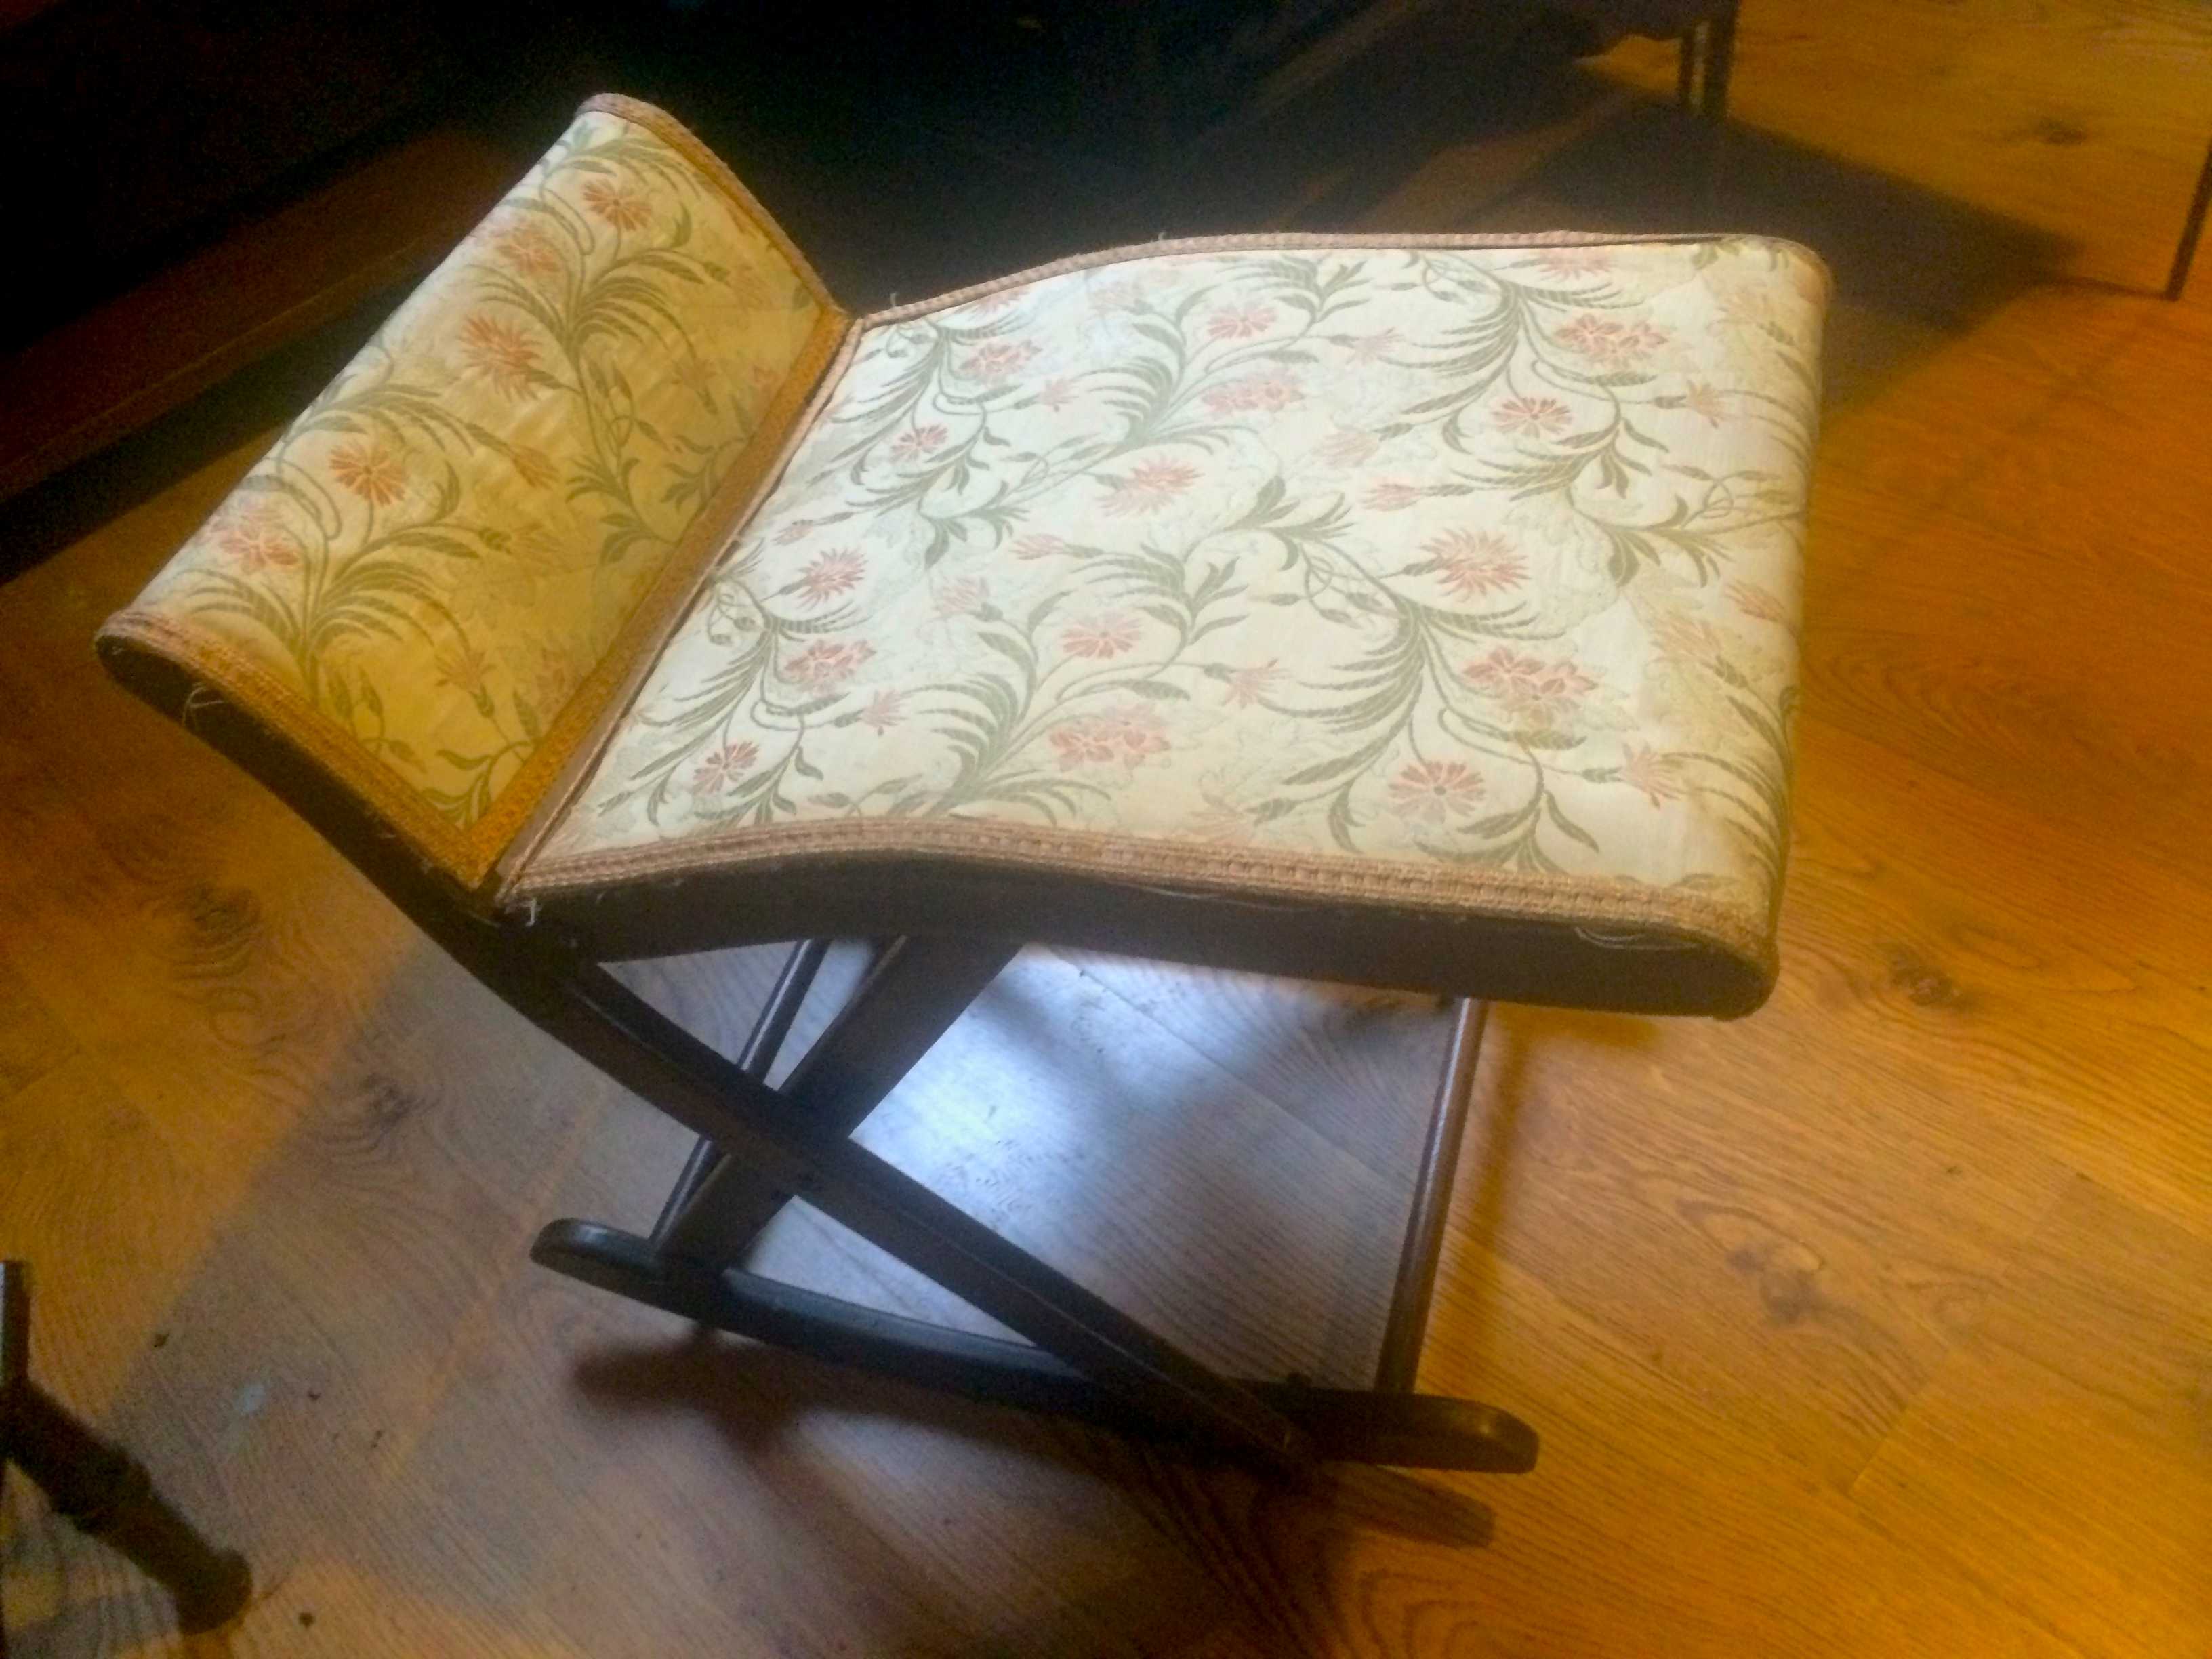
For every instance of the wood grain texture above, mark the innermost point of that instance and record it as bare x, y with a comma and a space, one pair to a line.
1873, 1324
2087, 119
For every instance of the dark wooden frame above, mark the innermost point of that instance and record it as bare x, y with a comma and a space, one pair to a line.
101, 1489
759, 1146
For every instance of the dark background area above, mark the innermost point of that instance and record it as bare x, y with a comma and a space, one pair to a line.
155, 128
231, 195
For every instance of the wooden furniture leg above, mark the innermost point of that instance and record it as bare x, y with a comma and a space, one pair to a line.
1408, 1324
915, 989
2185, 253
1089, 1358
1704, 72
101, 1489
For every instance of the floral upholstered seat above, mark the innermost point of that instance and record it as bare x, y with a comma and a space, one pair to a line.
1418, 610
1452, 581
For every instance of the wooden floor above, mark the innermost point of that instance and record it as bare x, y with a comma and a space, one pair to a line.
1878, 1324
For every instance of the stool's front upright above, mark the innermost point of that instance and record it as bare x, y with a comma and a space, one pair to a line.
1418, 610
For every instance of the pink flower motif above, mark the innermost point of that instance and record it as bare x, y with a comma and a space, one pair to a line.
1124, 735
1391, 495
825, 664
622, 204
1136, 731
1040, 546
1082, 743
371, 472
1150, 486
256, 540
1269, 392
1372, 347
723, 768
502, 352
1429, 792
1532, 417
1473, 562
1588, 333
918, 440
828, 574
1607, 341
1347, 447
998, 360
1244, 322
1708, 401
882, 711
1248, 686
1659, 777
1105, 635
1543, 695
1571, 262
1757, 602
1056, 394
963, 596
527, 250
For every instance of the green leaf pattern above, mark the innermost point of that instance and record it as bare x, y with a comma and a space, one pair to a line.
444, 544
1471, 556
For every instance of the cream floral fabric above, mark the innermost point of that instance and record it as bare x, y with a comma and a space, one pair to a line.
1477, 562
436, 557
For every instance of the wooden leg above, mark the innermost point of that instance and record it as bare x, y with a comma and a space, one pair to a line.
1688, 60
600, 1019
1716, 70
1389, 1423
1719, 55
1346, 1425
101, 1490
1408, 1324
785, 998
2185, 252
551, 980
915, 988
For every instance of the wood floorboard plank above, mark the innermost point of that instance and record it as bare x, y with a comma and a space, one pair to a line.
2086, 121
2018, 979
2064, 1457
2112, 475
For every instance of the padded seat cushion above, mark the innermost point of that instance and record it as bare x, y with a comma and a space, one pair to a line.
1448, 592
434, 581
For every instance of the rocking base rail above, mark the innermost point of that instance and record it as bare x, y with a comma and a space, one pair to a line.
1407, 1429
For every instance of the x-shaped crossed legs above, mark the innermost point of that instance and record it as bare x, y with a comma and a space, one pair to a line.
1084, 1358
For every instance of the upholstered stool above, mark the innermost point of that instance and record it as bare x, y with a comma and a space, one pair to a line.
1412, 610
